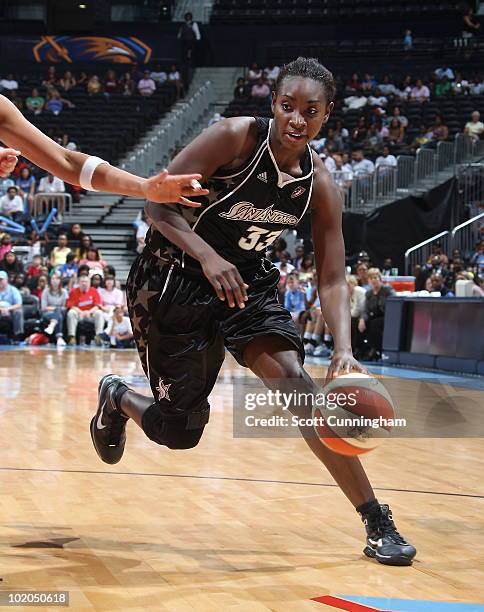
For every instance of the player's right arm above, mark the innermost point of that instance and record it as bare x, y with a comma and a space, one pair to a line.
227, 143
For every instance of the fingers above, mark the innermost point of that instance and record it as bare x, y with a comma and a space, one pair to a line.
9, 152
359, 368
218, 289
228, 291
186, 202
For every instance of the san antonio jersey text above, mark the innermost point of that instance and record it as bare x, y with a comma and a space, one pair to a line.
246, 210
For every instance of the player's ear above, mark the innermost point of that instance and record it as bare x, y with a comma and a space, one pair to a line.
329, 109
273, 101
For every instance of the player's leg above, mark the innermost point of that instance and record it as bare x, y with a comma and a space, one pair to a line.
272, 358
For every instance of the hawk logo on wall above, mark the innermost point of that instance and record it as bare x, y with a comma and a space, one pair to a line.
116, 49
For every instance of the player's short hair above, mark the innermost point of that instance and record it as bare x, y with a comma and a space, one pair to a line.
309, 68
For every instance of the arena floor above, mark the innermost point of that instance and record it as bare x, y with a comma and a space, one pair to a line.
234, 524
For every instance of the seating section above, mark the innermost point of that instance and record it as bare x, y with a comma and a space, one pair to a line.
308, 11
101, 125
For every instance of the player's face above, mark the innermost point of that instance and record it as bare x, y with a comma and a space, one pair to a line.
300, 109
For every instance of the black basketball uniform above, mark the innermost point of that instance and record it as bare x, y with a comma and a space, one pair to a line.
180, 325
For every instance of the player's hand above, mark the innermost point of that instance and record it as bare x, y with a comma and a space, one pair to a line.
8, 161
343, 362
226, 280
167, 188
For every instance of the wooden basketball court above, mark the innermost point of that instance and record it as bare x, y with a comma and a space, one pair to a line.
234, 524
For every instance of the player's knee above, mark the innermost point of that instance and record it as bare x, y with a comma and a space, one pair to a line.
175, 431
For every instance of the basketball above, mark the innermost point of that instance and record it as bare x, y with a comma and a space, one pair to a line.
358, 414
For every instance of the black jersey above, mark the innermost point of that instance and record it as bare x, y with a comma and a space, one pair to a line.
246, 210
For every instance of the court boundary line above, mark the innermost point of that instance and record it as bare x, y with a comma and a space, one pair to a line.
235, 479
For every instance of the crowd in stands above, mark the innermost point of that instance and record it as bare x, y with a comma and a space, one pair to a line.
369, 288
64, 288
369, 127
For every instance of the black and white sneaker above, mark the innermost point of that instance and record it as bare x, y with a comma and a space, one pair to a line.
383, 542
108, 426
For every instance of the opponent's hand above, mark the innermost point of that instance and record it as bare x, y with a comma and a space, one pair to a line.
226, 280
8, 161
167, 188
343, 362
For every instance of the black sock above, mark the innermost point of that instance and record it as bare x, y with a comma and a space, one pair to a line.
119, 395
368, 507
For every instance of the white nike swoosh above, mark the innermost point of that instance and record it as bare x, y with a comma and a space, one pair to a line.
99, 418
375, 542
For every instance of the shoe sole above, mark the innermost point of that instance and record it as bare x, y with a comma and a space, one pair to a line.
398, 561
92, 426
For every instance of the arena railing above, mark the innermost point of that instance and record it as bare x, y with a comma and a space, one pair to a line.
420, 253
466, 235
45, 202
470, 187
427, 168
154, 153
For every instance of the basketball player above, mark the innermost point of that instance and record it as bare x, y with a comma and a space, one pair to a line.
202, 285
91, 173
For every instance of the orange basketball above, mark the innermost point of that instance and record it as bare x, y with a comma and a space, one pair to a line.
357, 414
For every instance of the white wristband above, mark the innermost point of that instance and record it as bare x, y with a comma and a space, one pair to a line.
87, 171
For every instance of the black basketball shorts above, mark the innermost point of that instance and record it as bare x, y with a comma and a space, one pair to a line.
181, 328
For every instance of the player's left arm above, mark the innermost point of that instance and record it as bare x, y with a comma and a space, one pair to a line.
329, 250
23, 137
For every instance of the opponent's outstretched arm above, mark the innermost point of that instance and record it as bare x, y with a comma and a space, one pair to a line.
26, 139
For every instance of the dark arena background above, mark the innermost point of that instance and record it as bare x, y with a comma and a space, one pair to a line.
247, 520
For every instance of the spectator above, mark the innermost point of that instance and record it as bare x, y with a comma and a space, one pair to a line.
355, 102
357, 310
294, 298
19, 283
443, 87
477, 259
440, 131
360, 132
298, 257
83, 303
93, 261
41, 283
35, 245
470, 26
59, 253
255, 73
340, 132
26, 186
146, 85
374, 139
420, 92
111, 84
387, 266
158, 75
175, 78
34, 270
373, 317
119, 331
12, 205
69, 270
83, 79
260, 90
444, 71
53, 307
16, 100
9, 84
361, 165
387, 87
408, 41
127, 84
386, 159
307, 271
474, 128
86, 244
5, 245
11, 264
189, 34
94, 86
378, 100
6, 182
11, 307
438, 285
396, 132
55, 103
240, 91
422, 138
51, 79
284, 266
68, 81
51, 184
313, 333
74, 235
96, 281
397, 114
141, 231
353, 85
271, 73
362, 275
368, 83
110, 295
67, 143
